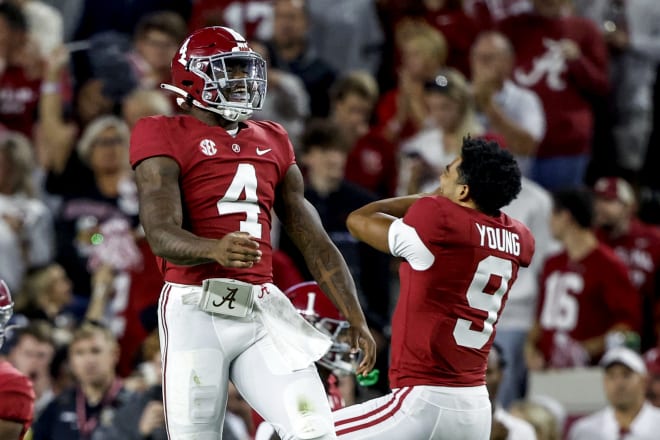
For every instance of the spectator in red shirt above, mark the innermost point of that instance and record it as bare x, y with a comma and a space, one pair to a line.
636, 243
585, 291
20, 72
564, 60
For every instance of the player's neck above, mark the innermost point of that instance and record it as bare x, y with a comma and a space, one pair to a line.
626, 416
579, 243
621, 228
213, 119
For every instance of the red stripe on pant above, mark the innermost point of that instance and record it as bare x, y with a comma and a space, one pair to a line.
373, 412
380, 419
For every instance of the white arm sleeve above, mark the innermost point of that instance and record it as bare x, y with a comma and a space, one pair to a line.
404, 242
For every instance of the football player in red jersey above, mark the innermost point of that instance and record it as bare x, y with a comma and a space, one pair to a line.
207, 182
461, 256
16, 393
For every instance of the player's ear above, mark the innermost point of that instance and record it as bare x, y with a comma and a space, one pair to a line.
464, 192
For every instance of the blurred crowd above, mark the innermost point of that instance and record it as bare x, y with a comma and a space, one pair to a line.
376, 96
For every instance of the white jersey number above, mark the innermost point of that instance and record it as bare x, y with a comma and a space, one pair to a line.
478, 299
245, 179
560, 307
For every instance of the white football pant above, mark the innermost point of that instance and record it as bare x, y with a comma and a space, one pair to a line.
418, 413
201, 352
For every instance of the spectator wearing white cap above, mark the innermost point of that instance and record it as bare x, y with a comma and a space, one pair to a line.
629, 416
635, 243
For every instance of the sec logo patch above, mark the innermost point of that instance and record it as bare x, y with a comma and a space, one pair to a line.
207, 146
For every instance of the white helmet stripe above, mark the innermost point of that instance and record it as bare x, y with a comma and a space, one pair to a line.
236, 35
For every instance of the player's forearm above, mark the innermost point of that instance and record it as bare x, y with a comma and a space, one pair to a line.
331, 272
179, 246
395, 207
303, 225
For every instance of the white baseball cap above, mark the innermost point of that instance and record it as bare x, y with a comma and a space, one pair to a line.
624, 356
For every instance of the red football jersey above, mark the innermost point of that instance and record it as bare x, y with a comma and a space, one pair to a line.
459, 267
16, 396
227, 184
585, 298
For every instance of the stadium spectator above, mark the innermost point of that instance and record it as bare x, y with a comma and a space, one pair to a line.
156, 39
289, 50
78, 412
503, 107
637, 245
27, 236
401, 112
629, 414
450, 117
347, 34
585, 292
532, 207
371, 161
564, 60
30, 351
20, 72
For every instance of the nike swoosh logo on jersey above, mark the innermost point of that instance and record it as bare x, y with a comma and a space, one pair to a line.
261, 152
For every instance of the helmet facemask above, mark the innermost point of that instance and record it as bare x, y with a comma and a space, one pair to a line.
234, 83
6, 309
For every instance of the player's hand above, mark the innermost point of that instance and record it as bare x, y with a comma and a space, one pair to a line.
361, 337
237, 249
498, 431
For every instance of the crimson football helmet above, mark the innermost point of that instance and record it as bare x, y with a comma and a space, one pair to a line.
215, 70
317, 309
6, 309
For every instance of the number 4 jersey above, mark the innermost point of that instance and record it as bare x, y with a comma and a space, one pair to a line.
228, 184
458, 269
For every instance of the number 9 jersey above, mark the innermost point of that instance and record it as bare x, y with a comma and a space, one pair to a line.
458, 269
228, 184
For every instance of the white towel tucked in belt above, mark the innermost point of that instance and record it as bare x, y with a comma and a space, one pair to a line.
296, 339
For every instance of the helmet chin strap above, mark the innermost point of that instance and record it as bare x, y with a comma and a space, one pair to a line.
229, 114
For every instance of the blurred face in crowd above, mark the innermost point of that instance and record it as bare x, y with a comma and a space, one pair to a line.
624, 388
60, 285
445, 111
549, 8
559, 220
352, 114
93, 359
289, 22
416, 60
91, 102
157, 48
109, 152
491, 58
326, 166
32, 357
610, 213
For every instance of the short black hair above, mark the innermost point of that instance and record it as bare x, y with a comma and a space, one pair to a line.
14, 16
491, 172
578, 202
324, 135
